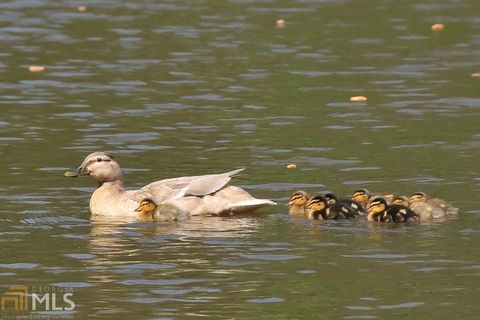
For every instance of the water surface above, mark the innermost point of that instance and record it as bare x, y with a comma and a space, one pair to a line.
178, 88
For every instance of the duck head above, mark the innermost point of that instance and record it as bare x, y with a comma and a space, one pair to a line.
401, 201
315, 207
100, 165
377, 210
361, 196
147, 206
418, 197
298, 198
330, 197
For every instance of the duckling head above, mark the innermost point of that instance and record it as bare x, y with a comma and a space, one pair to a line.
401, 201
377, 209
147, 206
418, 197
298, 199
315, 206
102, 166
330, 197
361, 196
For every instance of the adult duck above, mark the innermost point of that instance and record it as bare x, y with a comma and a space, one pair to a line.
194, 195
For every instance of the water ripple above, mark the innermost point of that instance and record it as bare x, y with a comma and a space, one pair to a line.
160, 282
266, 300
20, 265
271, 257
402, 305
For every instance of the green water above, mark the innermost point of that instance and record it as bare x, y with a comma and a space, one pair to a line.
177, 88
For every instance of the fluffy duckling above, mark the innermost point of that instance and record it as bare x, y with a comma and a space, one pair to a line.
361, 196
355, 207
401, 201
318, 208
148, 210
297, 203
439, 208
380, 210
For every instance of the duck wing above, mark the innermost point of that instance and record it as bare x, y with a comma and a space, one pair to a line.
192, 186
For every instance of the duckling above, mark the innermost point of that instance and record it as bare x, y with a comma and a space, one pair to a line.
380, 210
316, 208
425, 210
363, 197
401, 201
339, 210
297, 203
197, 195
148, 210
355, 207
440, 208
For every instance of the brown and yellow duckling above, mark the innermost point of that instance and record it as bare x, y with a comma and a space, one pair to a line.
363, 197
148, 210
438, 207
318, 208
380, 210
401, 201
354, 206
297, 203
424, 209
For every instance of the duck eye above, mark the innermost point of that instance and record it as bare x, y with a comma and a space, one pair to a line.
99, 159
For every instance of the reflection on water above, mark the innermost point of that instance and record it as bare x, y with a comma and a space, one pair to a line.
176, 89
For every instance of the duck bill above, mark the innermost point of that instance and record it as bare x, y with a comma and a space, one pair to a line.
138, 209
82, 171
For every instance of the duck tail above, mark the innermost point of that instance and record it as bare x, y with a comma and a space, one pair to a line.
251, 205
235, 173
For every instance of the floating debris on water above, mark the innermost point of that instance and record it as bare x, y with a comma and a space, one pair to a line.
280, 23
358, 99
438, 27
291, 166
36, 68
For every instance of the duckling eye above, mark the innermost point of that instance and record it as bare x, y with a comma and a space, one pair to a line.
99, 159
